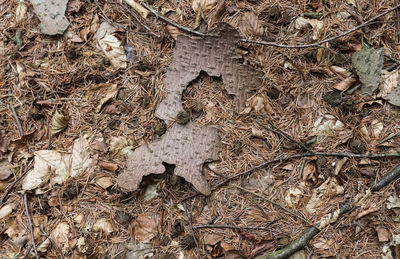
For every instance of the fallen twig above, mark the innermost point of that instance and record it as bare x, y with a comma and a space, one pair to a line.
285, 158
280, 132
30, 225
230, 227
11, 186
15, 115
312, 231
274, 44
165, 19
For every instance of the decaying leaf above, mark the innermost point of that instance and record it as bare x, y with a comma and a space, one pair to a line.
138, 8
103, 225
20, 12
252, 25
393, 202
111, 47
389, 89
185, 146
368, 64
203, 5
104, 182
214, 54
173, 31
61, 236
294, 195
144, 228
51, 15
101, 94
345, 84
317, 26
327, 124
58, 123
323, 193
5, 211
50, 164
5, 169
383, 234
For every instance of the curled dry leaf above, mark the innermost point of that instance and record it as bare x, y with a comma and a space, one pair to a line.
20, 12
341, 71
59, 123
317, 26
105, 182
144, 228
61, 236
51, 15
103, 225
203, 5
138, 8
173, 31
345, 84
252, 25
323, 193
185, 146
5, 211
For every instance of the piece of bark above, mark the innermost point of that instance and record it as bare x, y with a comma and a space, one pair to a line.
216, 55
185, 146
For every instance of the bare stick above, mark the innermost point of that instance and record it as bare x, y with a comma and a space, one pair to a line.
230, 227
312, 231
285, 158
165, 19
30, 225
15, 115
274, 44
11, 186
280, 132
319, 43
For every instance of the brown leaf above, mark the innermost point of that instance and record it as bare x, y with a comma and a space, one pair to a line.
4, 142
110, 166
229, 251
186, 146
345, 84
5, 169
203, 5
173, 31
190, 58
383, 234
252, 25
144, 228
263, 246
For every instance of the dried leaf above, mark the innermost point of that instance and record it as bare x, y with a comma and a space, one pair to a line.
327, 124
51, 15
120, 146
294, 195
5, 169
59, 123
113, 50
204, 5
104, 182
383, 234
173, 31
144, 228
110, 166
186, 146
20, 12
317, 26
323, 193
61, 235
252, 25
138, 8
368, 64
389, 89
345, 84
5, 211
341, 71
323, 243
339, 165
214, 54
393, 202
103, 225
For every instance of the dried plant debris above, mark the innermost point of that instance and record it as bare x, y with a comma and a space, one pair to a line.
51, 15
185, 146
368, 64
215, 55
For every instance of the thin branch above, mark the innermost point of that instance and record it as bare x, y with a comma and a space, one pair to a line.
230, 227
312, 231
280, 132
52, 242
15, 115
30, 225
319, 43
274, 44
285, 158
165, 19
11, 186
275, 203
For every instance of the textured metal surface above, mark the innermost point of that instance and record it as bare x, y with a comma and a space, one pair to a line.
186, 146
215, 55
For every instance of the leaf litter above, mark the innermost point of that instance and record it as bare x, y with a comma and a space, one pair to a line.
62, 73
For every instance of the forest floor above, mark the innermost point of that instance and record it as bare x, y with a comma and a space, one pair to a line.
75, 106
